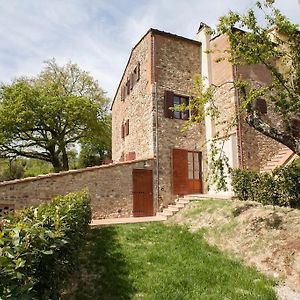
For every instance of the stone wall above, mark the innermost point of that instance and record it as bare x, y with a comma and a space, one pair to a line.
110, 187
257, 148
254, 149
137, 108
177, 61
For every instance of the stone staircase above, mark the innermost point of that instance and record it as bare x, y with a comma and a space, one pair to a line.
284, 157
174, 208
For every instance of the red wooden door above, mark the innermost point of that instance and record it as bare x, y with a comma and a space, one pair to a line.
142, 193
187, 177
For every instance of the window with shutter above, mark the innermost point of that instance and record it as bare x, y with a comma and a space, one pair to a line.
131, 81
134, 75
260, 105
127, 127
122, 93
122, 131
296, 127
138, 72
171, 101
128, 87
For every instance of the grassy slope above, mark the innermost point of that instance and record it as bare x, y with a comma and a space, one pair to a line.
155, 261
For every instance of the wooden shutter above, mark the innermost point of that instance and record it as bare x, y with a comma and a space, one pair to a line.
126, 127
130, 156
138, 75
296, 127
122, 93
122, 131
168, 102
260, 105
186, 113
131, 81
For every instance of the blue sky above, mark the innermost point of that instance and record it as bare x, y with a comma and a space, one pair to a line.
98, 34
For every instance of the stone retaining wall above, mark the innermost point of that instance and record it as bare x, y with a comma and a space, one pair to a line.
110, 187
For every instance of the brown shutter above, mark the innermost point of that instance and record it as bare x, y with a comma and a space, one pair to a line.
131, 81
122, 93
122, 131
260, 105
296, 127
168, 102
186, 113
127, 127
138, 75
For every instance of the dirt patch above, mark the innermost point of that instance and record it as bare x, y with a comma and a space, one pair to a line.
263, 236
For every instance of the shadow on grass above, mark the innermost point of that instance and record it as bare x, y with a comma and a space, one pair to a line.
103, 271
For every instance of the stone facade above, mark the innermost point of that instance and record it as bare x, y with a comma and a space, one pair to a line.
254, 149
177, 62
168, 63
110, 187
136, 108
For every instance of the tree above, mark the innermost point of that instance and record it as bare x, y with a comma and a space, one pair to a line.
275, 45
43, 117
96, 148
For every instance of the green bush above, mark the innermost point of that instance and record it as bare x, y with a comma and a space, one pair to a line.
243, 183
39, 247
281, 187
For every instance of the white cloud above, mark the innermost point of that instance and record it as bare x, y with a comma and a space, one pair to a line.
98, 34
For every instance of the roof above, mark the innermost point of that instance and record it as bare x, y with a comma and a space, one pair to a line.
152, 31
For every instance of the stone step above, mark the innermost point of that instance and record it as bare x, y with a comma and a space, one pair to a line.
173, 208
165, 213
182, 201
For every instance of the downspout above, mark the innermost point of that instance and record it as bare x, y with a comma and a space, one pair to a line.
154, 91
239, 126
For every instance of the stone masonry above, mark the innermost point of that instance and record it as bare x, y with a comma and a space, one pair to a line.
110, 187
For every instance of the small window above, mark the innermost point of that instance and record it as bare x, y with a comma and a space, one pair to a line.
122, 131
260, 105
171, 101
126, 128
138, 72
128, 87
123, 93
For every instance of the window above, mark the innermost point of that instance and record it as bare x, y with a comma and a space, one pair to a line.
133, 78
295, 127
122, 131
193, 165
126, 128
171, 101
260, 105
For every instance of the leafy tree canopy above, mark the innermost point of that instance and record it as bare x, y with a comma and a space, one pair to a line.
43, 117
276, 46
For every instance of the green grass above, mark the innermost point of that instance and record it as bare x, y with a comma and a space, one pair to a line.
155, 261
208, 206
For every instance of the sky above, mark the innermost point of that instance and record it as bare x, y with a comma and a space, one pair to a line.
98, 35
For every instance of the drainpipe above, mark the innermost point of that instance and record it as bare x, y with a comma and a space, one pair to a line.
239, 127
155, 99
204, 37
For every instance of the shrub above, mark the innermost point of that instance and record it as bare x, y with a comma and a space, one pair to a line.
39, 247
281, 187
243, 182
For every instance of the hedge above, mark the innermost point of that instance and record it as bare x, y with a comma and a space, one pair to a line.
39, 247
280, 187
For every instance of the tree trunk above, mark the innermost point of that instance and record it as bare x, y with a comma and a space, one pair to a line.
254, 120
65, 159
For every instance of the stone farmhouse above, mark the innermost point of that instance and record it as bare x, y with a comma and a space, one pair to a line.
154, 160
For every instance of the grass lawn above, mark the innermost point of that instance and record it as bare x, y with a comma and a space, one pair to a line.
155, 261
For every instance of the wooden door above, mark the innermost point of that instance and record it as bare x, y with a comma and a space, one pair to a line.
187, 178
142, 193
